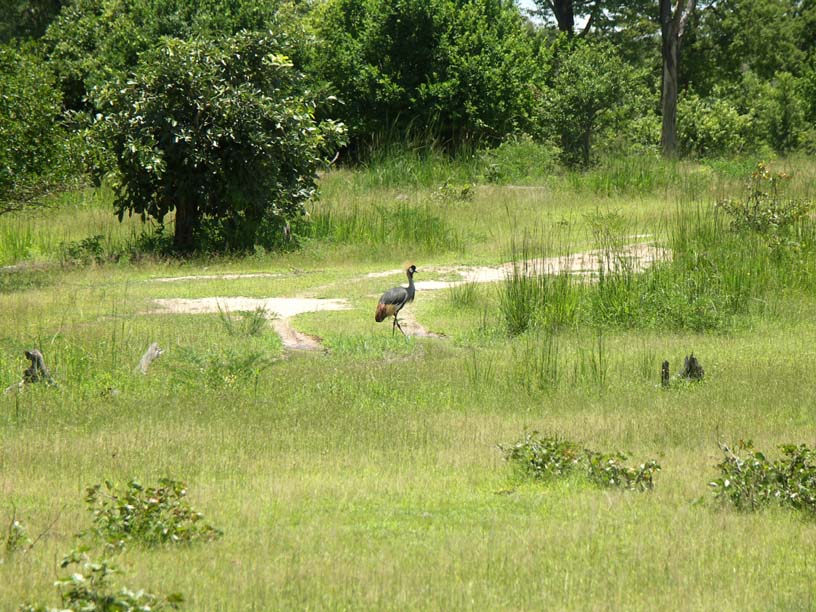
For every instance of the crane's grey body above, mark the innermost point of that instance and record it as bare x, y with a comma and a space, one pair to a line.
393, 300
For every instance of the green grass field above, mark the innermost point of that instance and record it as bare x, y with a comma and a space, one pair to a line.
368, 475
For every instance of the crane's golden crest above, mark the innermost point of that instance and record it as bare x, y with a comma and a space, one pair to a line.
407, 265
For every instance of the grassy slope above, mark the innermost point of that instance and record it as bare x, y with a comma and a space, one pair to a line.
369, 477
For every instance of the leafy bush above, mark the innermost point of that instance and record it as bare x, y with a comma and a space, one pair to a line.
708, 127
221, 131
779, 112
88, 589
750, 481
86, 251
438, 70
591, 86
150, 516
765, 210
35, 158
518, 158
16, 538
94, 42
548, 458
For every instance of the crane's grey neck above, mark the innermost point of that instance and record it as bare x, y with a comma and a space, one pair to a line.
411, 288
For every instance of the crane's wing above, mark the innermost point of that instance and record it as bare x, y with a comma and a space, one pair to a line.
396, 296
390, 303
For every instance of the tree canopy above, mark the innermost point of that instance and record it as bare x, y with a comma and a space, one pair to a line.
222, 132
220, 111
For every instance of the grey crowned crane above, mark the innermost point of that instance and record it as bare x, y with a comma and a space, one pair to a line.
393, 300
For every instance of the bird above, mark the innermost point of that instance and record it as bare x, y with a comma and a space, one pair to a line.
393, 300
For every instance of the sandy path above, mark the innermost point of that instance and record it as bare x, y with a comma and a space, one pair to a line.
636, 257
279, 311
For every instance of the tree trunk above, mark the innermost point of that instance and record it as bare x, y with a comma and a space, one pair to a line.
564, 15
672, 25
183, 238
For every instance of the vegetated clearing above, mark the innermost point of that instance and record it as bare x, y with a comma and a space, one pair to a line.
281, 310
369, 476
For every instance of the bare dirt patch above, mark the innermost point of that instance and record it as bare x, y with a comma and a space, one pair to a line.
279, 311
637, 256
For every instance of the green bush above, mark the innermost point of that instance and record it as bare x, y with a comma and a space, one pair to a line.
548, 458
94, 42
35, 156
750, 481
710, 127
146, 515
438, 70
765, 210
88, 589
591, 89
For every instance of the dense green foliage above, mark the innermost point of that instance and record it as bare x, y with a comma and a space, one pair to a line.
591, 89
223, 132
452, 75
93, 42
146, 515
34, 157
88, 589
549, 457
750, 481
445, 69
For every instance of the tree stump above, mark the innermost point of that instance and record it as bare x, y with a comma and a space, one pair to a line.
692, 370
665, 379
36, 372
153, 352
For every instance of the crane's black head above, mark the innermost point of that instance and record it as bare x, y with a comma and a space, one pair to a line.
410, 270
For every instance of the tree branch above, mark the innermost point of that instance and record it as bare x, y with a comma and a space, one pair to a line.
592, 16
683, 16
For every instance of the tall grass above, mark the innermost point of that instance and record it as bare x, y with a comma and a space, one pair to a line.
400, 224
714, 274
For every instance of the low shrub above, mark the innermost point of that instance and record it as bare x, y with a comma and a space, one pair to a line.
750, 481
547, 458
16, 538
88, 589
148, 515
765, 210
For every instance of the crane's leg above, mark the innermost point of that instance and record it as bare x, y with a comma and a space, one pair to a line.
396, 324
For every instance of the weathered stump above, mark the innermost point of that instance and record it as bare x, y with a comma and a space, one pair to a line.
665, 379
153, 352
36, 372
692, 370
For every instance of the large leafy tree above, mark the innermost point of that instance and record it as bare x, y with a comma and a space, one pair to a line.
447, 69
222, 132
731, 37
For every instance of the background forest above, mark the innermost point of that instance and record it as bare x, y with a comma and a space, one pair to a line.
223, 110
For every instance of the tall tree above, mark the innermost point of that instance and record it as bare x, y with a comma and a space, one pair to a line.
673, 21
